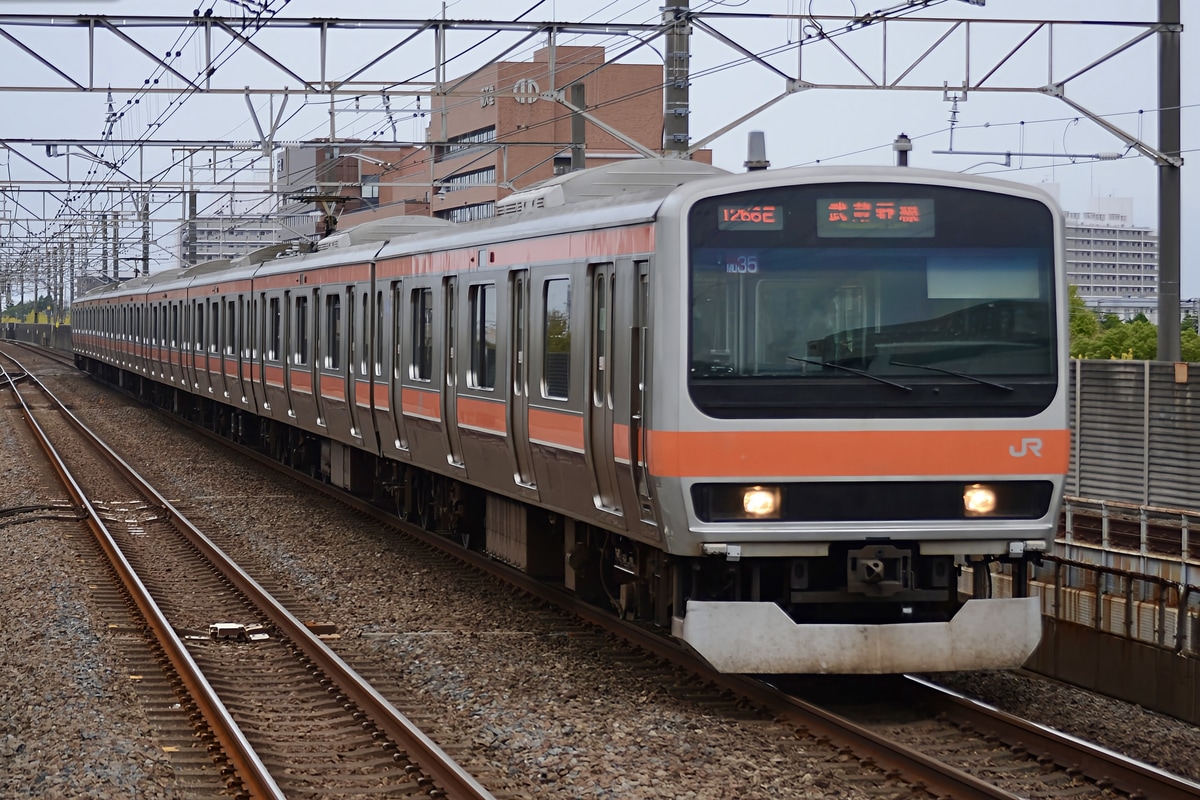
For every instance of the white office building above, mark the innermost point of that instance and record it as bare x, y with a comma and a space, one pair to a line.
1112, 262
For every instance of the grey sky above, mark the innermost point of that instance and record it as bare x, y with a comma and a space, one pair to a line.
824, 125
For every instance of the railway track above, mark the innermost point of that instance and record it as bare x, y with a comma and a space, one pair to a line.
894, 763
282, 715
931, 754
1019, 758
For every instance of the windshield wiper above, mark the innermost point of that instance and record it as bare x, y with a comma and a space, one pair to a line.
955, 373
831, 365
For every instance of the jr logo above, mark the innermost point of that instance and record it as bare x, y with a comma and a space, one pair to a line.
1027, 446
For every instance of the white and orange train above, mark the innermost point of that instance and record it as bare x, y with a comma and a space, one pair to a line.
777, 413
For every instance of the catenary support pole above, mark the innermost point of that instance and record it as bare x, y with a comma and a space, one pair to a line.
1169, 183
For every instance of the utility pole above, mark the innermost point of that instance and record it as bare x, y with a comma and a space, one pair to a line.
578, 129
677, 79
145, 234
103, 245
1169, 183
71, 276
191, 228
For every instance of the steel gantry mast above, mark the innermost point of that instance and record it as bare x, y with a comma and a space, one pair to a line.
305, 71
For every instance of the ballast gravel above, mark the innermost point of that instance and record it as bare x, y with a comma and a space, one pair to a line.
558, 718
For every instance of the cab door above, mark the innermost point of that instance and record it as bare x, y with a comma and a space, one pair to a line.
600, 372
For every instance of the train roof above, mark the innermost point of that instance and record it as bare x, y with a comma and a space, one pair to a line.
622, 193
643, 175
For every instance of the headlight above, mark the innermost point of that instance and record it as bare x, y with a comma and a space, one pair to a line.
760, 503
978, 500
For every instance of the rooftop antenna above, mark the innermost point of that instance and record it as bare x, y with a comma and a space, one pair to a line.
756, 152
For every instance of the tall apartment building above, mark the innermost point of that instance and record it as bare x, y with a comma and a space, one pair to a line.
1108, 257
241, 228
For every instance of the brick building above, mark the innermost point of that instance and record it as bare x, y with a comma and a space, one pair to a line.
491, 134
501, 134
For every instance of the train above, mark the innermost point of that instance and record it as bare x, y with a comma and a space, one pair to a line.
804, 420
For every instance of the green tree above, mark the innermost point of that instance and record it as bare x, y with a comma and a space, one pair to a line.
1189, 346
1136, 339
1083, 324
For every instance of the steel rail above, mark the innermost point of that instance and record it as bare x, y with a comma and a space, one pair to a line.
451, 778
1131, 777
254, 775
927, 773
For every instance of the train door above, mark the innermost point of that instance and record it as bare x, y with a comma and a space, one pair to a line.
518, 407
236, 346
318, 350
639, 351
600, 403
354, 347
261, 350
450, 370
216, 361
288, 353
399, 366
248, 348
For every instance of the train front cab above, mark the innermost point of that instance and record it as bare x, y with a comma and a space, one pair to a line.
866, 407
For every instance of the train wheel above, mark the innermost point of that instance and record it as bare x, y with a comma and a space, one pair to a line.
425, 506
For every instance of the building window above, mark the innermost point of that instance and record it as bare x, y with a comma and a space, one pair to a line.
464, 143
470, 213
465, 180
370, 191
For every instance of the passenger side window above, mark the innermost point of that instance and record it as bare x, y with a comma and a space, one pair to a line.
483, 337
275, 320
556, 339
422, 317
301, 331
333, 338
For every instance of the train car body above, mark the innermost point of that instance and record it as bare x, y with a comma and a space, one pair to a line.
778, 413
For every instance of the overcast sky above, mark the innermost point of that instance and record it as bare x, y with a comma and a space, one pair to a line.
826, 126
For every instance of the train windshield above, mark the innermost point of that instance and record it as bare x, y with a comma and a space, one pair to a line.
892, 299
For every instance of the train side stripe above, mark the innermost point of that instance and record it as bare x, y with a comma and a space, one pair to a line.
380, 397
333, 387
556, 428
812, 454
631, 240
423, 403
482, 414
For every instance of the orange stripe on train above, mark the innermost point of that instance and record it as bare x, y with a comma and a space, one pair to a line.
812, 454
424, 403
482, 414
556, 428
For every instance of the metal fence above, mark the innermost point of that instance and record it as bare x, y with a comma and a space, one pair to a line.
1136, 432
